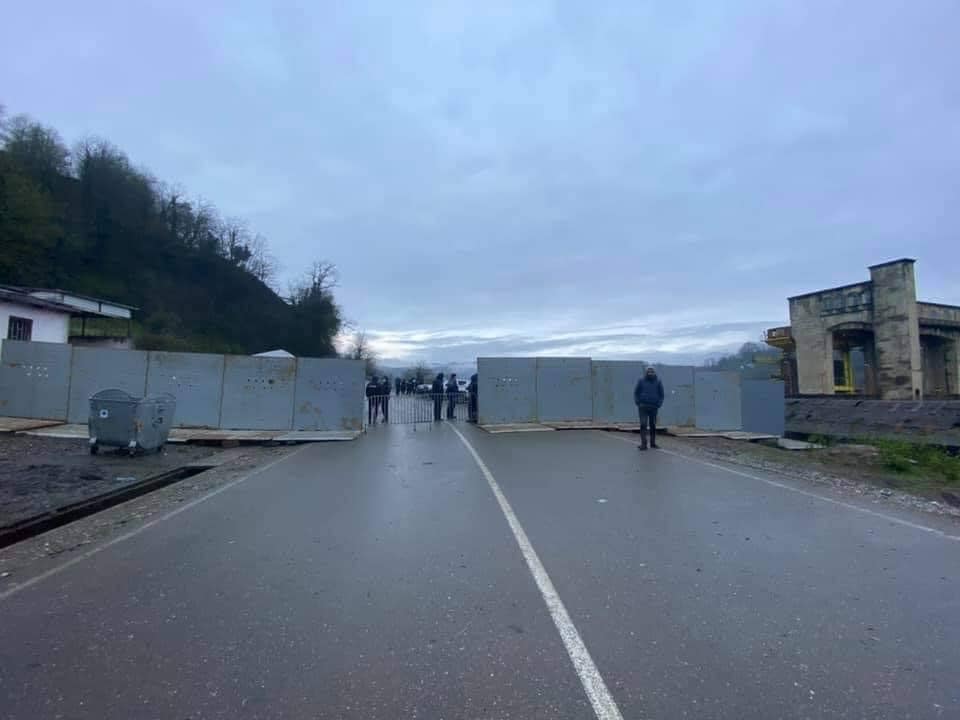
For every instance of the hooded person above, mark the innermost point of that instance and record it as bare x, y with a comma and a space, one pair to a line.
648, 396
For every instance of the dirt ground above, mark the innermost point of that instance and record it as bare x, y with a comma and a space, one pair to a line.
39, 474
852, 469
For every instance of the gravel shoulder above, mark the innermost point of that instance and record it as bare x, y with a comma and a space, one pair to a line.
851, 470
38, 474
34, 556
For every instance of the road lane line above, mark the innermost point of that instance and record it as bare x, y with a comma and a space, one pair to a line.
600, 698
14, 589
807, 493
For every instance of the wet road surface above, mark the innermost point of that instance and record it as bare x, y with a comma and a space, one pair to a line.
383, 579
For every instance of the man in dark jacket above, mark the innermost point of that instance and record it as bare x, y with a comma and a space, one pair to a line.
473, 390
384, 393
373, 402
453, 394
648, 395
437, 391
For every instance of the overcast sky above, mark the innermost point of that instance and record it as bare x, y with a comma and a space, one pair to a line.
635, 179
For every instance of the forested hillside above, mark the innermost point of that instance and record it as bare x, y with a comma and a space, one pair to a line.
87, 220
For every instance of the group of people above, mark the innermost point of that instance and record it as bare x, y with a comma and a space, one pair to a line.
405, 386
452, 391
379, 389
378, 399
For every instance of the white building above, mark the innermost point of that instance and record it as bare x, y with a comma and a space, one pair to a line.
39, 315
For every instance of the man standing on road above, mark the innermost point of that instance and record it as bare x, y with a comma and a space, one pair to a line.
648, 395
453, 390
473, 389
385, 398
437, 392
373, 404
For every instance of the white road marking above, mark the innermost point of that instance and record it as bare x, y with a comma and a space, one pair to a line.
806, 493
14, 589
602, 701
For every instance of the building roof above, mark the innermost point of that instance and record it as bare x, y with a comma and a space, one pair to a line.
891, 262
829, 290
31, 297
15, 296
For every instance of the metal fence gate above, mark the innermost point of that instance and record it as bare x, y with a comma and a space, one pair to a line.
404, 408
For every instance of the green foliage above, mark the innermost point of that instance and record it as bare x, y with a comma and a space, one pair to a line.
752, 359
90, 222
921, 461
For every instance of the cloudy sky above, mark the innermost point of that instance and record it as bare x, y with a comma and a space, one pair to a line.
616, 179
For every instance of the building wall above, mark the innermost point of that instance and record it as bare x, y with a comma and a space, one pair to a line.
931, 421
811, 318
934, 313
48, 326
896, 331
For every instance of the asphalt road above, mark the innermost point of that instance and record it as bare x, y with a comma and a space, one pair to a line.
384, 578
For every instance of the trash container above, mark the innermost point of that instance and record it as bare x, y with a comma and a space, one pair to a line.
120, 419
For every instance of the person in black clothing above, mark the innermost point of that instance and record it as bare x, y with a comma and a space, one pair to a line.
648, 395
385, 398
473, 390
453, 390
397, 382
437, 390
373, 387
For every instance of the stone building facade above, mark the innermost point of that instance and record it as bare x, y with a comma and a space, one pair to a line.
872, 339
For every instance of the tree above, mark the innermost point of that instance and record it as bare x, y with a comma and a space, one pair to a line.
261, 263
37, 149
360, 350
93, 222
419, 373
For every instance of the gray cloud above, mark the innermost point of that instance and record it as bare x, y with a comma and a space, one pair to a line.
513, 173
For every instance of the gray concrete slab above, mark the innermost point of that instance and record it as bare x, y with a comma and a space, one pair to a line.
702, 593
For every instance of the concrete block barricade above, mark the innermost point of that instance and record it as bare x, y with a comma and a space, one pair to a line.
93, 370
195, 380
35, 380
329, 394
54, 381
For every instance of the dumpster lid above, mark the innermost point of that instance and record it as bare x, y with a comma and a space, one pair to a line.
113, 394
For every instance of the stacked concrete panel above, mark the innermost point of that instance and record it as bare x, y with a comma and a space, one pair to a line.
54, 381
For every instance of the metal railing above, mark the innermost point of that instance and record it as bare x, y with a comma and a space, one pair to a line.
421, 408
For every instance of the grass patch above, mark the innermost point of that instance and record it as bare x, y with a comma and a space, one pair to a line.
920, 466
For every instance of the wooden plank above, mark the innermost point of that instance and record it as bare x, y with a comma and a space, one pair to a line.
15, 424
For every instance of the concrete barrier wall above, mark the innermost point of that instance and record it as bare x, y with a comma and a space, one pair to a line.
329, 394
530, 390
564, 389
54, 381
195, 379
613, 383
717, 400
762, 408
93, 370
35, 380
507, 390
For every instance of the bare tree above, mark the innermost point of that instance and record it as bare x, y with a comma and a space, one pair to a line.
317, 283
360, 349
261, 263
